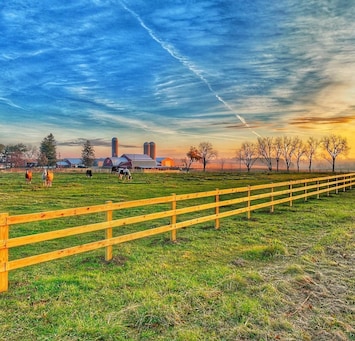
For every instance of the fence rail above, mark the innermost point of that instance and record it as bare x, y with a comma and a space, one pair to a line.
225, 203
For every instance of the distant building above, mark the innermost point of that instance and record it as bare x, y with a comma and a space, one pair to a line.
165, 162
70, 163
62, 164
99, 162
132, 161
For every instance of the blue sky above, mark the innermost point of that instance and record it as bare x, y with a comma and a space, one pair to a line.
175, 72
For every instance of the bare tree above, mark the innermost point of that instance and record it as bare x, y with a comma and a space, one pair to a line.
335, 145
248, 154
207, 153
265, 148
288, 149
278, 151
222, 162
311, 150
15, 155
31, 152
300, 151
42, 159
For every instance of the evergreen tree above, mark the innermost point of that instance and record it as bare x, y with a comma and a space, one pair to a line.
48, 150
87, 154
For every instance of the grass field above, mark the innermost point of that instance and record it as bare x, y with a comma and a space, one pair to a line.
288, 275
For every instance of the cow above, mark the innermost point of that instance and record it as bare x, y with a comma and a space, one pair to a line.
89, 173
124, 173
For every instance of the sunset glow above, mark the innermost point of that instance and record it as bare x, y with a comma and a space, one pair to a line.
175, 72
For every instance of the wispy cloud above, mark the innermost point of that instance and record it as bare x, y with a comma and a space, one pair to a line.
198, 72
9, 103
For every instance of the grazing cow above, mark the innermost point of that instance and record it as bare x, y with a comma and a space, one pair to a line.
89, 173
127, 174
28, 176
124, 173
120, 173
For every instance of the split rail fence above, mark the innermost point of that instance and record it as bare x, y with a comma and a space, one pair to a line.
215, 205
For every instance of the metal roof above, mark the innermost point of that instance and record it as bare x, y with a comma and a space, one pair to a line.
131, 160
137, 157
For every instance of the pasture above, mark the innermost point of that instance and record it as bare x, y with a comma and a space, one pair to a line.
281, 276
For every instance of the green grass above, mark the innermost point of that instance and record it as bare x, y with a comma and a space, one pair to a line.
281, 276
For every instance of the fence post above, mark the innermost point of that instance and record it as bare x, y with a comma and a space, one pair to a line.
344, 189
318, 189
305, 190
173, 218
290, 193
249, 202
336, 185
4, 252
272, 200
108, 233
216, 224
328, 193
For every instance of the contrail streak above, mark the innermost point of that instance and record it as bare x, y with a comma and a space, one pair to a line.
170, 49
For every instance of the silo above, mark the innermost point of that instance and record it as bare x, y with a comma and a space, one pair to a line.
146, 148
114, 147
153, 152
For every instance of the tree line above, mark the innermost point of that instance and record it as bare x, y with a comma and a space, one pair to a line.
271, 150
20, 155
292, 150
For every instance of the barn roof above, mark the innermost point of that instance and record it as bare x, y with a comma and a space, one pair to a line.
140, 160
130, 161
114, 161
73, 161
137, 157
160, 159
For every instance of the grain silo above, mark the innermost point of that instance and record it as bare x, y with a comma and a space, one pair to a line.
146, 148
114, 147
153, 152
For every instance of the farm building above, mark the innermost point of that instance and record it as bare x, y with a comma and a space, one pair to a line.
165, 162
130, 161
99, 162
70, 163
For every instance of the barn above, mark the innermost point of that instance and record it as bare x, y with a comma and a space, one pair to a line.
131, 161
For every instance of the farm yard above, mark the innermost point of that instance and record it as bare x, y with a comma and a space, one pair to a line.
286, 275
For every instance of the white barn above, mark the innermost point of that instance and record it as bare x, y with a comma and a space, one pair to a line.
131, 161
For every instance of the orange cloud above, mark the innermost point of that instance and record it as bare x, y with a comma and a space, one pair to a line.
304, 121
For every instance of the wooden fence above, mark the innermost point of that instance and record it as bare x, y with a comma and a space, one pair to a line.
214, 205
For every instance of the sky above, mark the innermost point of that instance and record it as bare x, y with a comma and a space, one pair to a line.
175, 72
